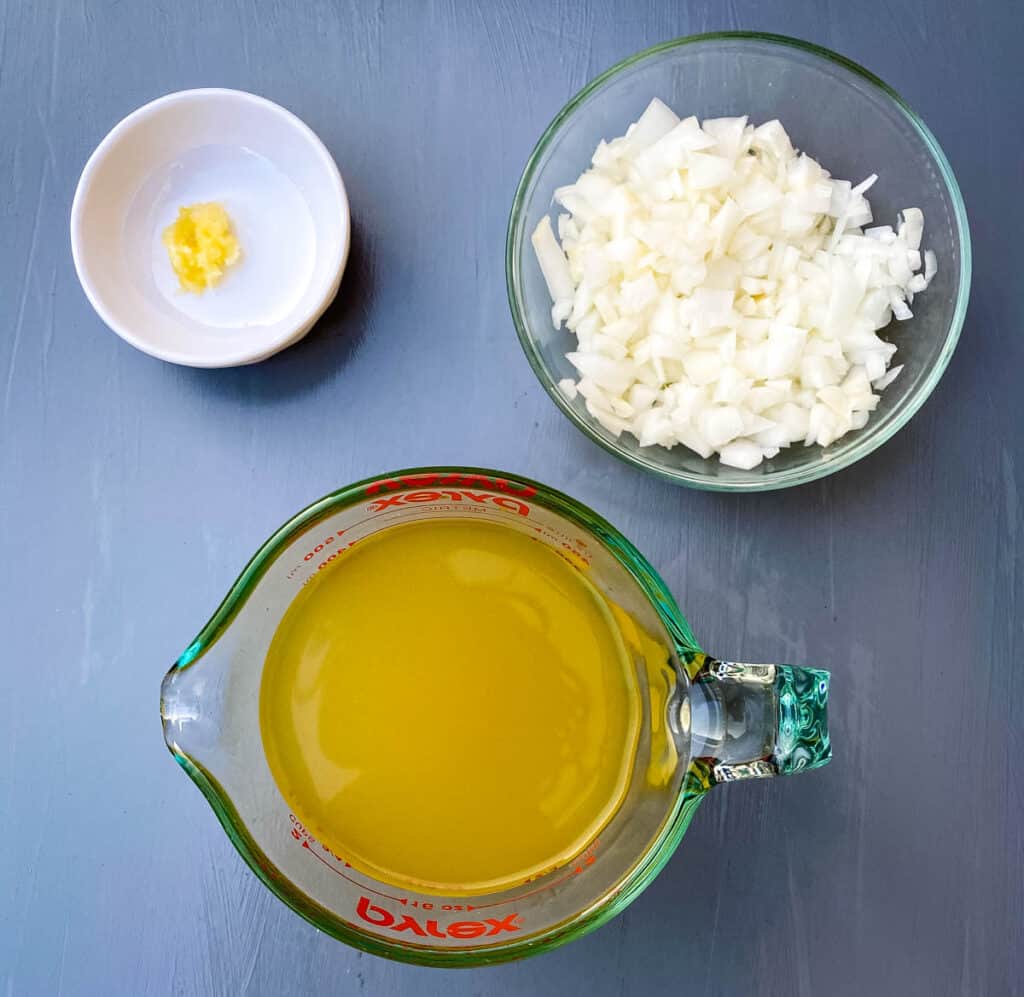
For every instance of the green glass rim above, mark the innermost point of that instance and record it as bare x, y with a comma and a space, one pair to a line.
640, 876
515, 235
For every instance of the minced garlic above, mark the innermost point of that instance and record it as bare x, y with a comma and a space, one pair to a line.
201, 245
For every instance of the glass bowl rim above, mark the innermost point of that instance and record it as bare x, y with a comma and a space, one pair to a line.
822, 466
659, 851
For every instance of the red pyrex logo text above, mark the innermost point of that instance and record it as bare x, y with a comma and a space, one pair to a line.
425, 481
381, 918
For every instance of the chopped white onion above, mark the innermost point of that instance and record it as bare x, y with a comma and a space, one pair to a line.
657, 121
723, 290
555, 268
568, 387
883, 382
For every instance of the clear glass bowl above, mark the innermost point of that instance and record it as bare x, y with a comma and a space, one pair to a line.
837, 112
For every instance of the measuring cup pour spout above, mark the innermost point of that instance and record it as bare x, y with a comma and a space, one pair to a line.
755, 721
191, 704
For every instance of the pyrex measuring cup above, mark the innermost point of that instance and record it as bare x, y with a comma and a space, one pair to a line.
704, 722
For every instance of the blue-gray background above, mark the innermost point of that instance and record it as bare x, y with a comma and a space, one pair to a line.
131, 492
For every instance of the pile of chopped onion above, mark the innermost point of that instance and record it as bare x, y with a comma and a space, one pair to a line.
723, 289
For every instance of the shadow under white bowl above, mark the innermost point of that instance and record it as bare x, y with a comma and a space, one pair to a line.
286, 200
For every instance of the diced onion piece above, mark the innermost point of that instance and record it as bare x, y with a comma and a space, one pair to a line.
886, 379
727, 133
568, 387
865, 185
721, 424
553, 264
658, 120
706, 171
912, 228
742, 454
899, 306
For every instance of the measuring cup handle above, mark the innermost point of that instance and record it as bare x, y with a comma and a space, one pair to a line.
755, 721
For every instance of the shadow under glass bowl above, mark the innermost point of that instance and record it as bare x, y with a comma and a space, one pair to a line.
837, 112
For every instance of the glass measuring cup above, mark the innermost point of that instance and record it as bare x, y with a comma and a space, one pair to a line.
704, 722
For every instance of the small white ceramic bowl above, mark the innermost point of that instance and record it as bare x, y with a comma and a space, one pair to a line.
280, 187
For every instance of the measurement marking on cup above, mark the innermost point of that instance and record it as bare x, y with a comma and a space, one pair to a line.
328, 548
328, 544
587, 860
354, 882
404, 901
430, 905
299, 833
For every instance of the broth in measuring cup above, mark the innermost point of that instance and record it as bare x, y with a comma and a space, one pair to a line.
451, 707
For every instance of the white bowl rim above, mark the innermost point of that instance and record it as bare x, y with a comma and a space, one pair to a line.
290, 334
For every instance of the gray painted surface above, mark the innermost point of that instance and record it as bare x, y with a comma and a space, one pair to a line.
131, 492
